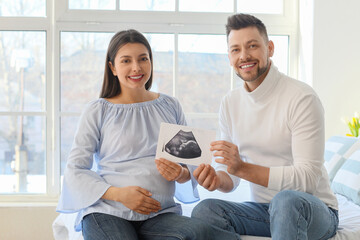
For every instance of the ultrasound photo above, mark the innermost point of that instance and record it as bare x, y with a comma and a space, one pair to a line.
183, 145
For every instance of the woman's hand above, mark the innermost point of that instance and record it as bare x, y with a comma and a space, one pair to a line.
172, 171
133, 197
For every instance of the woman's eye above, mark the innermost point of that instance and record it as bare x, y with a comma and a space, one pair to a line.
144, 59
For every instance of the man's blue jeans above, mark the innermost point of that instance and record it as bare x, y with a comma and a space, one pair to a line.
291, 215
170, 226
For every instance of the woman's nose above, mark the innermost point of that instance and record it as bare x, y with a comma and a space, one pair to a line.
136, 66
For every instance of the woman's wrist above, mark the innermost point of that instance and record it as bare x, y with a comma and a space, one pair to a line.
113, 194
184, 175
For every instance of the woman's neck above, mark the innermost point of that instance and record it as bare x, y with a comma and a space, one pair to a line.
129, 97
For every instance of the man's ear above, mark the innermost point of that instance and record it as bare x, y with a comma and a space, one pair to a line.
271, 48
112, 68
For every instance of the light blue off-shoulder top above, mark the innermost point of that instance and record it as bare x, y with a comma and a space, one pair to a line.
119, 141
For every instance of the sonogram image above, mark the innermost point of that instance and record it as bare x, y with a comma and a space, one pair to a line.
183, 145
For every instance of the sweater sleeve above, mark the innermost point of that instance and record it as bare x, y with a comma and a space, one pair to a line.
83, 187
225, 124
306, 123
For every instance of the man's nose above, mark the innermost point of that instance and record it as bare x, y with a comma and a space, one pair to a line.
244, 55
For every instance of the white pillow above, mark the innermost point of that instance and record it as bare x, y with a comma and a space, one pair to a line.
347, 180
337, 149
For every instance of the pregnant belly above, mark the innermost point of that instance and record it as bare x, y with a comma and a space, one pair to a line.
145, 176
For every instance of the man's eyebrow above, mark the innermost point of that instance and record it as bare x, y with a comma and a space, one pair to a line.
248, 42
251, 41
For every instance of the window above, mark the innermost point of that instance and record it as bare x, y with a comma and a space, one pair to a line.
92, 4
22, 101
22, 8
148, 5
261, 6
52, 60
206, 6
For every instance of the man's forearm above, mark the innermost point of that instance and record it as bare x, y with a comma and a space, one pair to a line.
254, 173
226, 184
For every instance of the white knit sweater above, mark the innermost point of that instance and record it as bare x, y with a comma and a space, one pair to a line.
279, 125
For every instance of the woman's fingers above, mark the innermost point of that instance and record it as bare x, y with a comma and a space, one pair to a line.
169, 170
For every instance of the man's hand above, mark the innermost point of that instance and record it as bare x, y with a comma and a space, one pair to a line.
172, 171
229, 155
207, 177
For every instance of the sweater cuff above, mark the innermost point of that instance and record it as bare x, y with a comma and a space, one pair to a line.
235, 180
275, 178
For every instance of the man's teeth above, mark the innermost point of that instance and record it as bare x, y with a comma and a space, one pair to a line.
246, 66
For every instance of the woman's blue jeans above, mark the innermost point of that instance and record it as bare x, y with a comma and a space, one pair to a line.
291, 215
170, 226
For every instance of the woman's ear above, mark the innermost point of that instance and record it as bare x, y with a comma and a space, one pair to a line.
112, 68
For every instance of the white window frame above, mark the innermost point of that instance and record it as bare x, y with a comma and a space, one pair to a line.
60, 18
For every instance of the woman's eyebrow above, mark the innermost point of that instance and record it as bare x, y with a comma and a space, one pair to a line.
128, 56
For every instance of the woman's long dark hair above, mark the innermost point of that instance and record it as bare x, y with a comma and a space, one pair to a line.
111, 85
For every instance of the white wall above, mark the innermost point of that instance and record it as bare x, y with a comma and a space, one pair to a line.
306, 41
30, 223
336, 60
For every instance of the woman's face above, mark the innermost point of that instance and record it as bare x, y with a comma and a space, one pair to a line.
132, 66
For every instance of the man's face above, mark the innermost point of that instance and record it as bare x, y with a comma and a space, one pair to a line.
249, 54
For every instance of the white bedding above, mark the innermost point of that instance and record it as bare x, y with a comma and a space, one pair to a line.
349, 227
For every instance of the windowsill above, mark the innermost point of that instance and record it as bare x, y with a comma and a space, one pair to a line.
28, 201
27, 204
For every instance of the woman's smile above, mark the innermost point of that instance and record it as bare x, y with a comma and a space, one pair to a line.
136, 78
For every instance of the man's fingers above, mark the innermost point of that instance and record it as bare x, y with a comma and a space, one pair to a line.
198, 170
205, 173
224, 155
222, 161
207, 182
225, 144
212, 187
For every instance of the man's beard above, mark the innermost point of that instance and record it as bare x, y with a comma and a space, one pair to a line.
261, 71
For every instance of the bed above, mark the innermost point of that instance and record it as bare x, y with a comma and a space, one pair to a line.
342, 161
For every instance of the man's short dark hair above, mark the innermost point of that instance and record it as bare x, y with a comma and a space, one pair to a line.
239, 21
